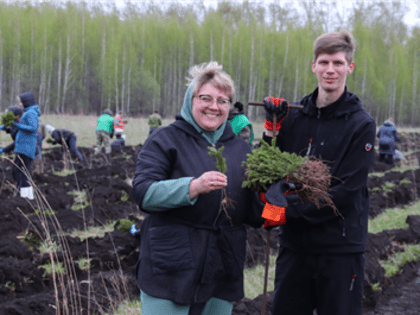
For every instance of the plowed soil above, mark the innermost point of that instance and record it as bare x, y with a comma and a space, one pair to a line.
27, 287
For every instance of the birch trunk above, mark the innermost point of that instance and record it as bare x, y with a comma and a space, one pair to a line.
67, 75
414, 96
128, 90
271, 75
191, 52
1, 72
123, 82
83, 51
251, 77
59, 78
295, 93
116, 83
48, 90
238, 71
103, 69
109, 91
223, 47
42, 86
283, 71
31, 67
211, 46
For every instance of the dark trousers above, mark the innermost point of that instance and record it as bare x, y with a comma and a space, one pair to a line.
22, 168
330, 283
72, 145
387, 158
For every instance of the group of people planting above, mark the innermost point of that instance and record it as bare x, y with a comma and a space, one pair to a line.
193, 236
28, 133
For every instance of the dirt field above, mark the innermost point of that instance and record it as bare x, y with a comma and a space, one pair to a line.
99, 191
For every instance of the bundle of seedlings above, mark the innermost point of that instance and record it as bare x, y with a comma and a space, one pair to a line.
222, 168
310, 177
7, 119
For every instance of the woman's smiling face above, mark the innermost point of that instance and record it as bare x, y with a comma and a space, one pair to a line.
210, 107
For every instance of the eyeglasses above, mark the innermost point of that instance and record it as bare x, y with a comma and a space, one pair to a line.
207, 99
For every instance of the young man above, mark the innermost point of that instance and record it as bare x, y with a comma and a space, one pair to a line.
387, 135
321, 262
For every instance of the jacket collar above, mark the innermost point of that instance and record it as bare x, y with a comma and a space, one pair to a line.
347, 104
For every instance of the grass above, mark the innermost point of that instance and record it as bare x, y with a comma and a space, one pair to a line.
254, 279
399, 169
393, 218
80, 199
393, 265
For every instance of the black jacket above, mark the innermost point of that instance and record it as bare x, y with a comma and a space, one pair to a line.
13, 130
57, 134
187, 255
343, 134
118, 143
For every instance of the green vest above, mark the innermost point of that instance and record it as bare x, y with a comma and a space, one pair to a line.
106, 123
239, 122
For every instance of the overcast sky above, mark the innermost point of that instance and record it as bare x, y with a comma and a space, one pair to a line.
412, 18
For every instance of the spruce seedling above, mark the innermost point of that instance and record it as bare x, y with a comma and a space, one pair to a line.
8, 119
222, 168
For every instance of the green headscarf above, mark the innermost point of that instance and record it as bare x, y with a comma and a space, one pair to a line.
186, 113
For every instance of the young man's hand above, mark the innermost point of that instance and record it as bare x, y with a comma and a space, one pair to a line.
277, 106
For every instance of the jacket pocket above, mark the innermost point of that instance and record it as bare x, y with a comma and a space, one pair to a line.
170, 249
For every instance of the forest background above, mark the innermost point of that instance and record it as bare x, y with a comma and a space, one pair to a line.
80, 58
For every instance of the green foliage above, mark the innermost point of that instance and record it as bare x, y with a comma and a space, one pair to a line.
125, 225
376, 287
405, 181
220, 160
7, 119
49, 140
268, 164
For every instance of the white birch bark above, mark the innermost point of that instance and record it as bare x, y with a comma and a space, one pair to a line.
251, 76
116, 83
103, 68
1, 71
191, 52
283, 70
59, 78
211, 46
414, 96
295, 92
271, 74
123, 81
67, 75
128, 90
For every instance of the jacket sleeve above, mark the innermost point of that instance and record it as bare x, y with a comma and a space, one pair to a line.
153, 189
9, 148
352, 174
30, 123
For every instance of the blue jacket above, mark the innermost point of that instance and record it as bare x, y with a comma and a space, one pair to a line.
387, 135
343, 135
25, 142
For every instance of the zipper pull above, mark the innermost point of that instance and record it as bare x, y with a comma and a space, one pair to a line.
309, 147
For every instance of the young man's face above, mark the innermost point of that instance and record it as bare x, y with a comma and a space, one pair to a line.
331, 71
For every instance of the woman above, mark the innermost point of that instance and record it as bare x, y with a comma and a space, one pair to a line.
192, 254
25, 144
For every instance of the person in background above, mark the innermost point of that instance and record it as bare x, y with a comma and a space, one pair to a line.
119, 123
193, 252
320, 264
25, 144
65, 138
241, 124
387, 135
155, 121
104, 132
12, 130
120, 142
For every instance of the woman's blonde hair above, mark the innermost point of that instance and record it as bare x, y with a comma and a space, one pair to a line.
212, 73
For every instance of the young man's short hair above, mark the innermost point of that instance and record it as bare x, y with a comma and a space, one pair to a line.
330, 43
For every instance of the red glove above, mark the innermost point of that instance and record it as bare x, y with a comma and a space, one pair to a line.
273, 215
275, 105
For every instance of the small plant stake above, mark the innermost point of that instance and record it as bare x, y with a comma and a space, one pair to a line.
222, 168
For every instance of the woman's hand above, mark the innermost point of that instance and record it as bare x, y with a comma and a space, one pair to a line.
206, 183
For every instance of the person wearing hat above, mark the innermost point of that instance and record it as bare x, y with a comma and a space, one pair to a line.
12, 130
241, 125
120, 142
387, 135
25, 144
104, 132
64, 137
